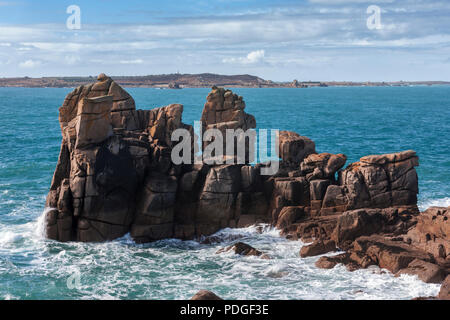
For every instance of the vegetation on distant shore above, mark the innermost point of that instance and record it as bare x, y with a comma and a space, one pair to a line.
204, 80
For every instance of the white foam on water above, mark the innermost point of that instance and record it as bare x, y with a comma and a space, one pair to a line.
9, 237
443, 202
40, 223
175, 269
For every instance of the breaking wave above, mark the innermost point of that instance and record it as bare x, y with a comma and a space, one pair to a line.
174, 269
443, 202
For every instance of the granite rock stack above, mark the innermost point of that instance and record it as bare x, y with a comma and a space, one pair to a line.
115, 176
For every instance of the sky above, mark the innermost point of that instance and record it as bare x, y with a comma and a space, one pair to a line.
280, 40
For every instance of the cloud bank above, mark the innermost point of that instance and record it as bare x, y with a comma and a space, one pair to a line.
282, 40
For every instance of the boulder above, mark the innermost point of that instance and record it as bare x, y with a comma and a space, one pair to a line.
330, 262
244, 249
444, 294
365, 222
289, 215
426, 271
432, 232
317, 248
316, 228
205, 295
381, 181
353, 224
293, 148
322, 166
388, 254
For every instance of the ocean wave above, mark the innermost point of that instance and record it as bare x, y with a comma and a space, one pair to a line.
40, 223
174, 269
9, 237
427, 203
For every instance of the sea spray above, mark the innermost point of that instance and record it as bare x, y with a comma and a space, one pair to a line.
40, 223
425, 204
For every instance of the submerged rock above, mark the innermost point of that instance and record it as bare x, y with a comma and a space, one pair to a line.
244, 249
205, 295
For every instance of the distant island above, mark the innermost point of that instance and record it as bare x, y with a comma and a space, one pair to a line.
203, 80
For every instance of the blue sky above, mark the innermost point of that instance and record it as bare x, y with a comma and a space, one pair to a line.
279, 40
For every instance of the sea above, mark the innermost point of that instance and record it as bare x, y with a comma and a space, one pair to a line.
356, 121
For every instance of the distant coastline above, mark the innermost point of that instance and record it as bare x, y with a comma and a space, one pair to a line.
204, 80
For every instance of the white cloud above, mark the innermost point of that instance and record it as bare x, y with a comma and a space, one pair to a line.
279, 41
71, 60
136, 61
252, 58
29, 64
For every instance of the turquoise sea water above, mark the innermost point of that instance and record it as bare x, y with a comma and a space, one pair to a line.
354, 121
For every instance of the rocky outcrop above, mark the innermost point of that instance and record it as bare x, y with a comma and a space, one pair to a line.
317, 248
296, 84
205, 295
432, 232
364, 222
224, 111
444, 294
244, 249
115, 176
293, 148
383, 237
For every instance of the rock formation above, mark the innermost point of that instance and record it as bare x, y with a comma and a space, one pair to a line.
115, 176
444, 294
205, 295
244, 249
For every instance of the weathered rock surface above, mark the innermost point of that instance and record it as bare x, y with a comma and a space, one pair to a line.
432, 232
318, 247
365, 222
244, 249
444, 294
294, 148
205, 295
115, 176
224, 110
322, 166
426, 271
381, 181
